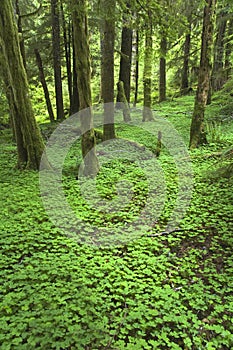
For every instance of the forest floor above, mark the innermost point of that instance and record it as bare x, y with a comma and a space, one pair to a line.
156, 290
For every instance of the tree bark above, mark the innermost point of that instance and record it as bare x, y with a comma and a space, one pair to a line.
197, 131
57, 59
107, 67
123, 100
135, 53
20, 30
29, 140
217, 77
82, 54
228, 49
44, 85
147, 73
185, 70
75, 106
126, 57
162, 69
66, 39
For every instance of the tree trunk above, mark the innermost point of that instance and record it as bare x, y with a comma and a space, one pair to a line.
123, 100
197, 131
217, 77
44, 84
228, 49
148, 57
135, 53
82, 54
162, 69
75, 94
185, 70
29, 140
57, 58
107, 67
20, 30
126, 57
67, 53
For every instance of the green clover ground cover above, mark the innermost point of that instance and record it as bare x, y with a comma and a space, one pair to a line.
169, 291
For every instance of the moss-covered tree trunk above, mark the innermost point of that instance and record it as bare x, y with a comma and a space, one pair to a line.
57, 58
44, 84
218, 76
135, 58
228, 49
75, 94
126, 56
162, 69
122, 98
197, 131
107, 66
185, 69
29, 141
82, 54
147, 73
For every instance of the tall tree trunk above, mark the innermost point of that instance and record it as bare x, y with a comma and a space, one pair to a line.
20, 30
126, 57
147, 73
217, 77
107, 67
75, 94
228, 49
29, 140
185, 70
44, 84
82, 53
197, 131
135, 53
162, 69
57, 58
66, 39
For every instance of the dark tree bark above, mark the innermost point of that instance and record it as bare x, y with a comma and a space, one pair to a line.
44, 84
57, 58
75, 94
123, 100
126, 57
20, 30
197, 131
107, 67
185, 70
148, 56
82, 53
136, 71
162, 69
217, 77
67, 46
28, 137
228, 49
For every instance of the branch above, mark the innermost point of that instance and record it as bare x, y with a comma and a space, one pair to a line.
32, 13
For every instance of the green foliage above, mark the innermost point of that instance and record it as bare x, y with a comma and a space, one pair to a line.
168, 291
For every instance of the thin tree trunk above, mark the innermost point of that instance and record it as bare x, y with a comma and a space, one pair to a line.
57, 58
75, 94
197, 131
135, 52
185, 70
228, 49
217, 77
107, 68
44, 84
82, 54
148, 56
67, 53
29, 140
162, 69
126, 57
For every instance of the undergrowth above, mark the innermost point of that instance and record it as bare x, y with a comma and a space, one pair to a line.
159, 291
